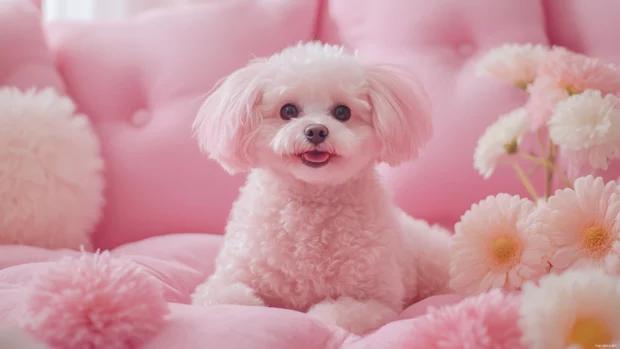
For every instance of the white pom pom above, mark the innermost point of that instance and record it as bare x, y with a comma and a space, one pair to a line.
51, 185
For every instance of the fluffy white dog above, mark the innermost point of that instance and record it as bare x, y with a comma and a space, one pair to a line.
314, 230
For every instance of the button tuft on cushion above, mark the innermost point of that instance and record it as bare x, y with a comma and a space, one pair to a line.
465, 49
140, 117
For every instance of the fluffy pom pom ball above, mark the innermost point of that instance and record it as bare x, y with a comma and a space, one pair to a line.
95, 302
51, 185
487, 321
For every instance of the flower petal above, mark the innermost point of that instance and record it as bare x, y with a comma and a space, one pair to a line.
565, 257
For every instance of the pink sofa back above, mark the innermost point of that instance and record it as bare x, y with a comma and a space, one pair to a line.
141, 81
25, 64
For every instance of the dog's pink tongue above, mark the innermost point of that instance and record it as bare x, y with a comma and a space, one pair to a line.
316, 156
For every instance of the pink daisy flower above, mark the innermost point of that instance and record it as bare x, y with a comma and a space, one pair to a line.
576, 310
492, 247
582, 225
544, 95
514, 63
576, 72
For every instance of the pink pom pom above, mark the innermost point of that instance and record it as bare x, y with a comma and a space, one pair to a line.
486, 321
95, 301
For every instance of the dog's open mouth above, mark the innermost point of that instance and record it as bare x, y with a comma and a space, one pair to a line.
315, 158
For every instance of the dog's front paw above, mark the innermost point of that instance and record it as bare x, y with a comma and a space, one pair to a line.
358, 317
238, 293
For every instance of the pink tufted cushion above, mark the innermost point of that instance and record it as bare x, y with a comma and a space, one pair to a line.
25, 60
441, 40
142, 80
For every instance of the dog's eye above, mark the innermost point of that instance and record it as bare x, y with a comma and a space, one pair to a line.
288, 111
342, 113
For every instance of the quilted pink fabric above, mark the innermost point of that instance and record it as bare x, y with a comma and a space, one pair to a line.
442, 40
25, 60
142, 79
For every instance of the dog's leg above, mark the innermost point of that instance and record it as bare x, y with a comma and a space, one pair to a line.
355, 316
429, 250
214, 291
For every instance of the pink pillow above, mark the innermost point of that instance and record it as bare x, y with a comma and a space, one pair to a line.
142, 80
442, 40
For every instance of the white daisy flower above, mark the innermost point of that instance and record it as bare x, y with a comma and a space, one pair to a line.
588, 122
579, 309
502, 137
516, 64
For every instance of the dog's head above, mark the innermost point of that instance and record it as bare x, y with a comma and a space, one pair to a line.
315, 112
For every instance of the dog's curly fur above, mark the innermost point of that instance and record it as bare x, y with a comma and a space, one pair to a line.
314, 229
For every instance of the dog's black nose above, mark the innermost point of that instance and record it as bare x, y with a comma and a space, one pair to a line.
316, 133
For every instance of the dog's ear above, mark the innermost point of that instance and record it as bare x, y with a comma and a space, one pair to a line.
401, 113
228, 120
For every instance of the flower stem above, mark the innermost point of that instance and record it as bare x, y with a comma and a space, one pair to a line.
541, 147
548, 155
533, 170
549, 170
547, 164
525, 180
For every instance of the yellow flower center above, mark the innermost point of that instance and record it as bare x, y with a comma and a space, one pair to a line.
511, 147
522, 84
590, 334
504, 250
596, 240
572, 91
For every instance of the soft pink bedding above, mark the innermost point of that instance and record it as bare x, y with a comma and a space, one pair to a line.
179, 263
